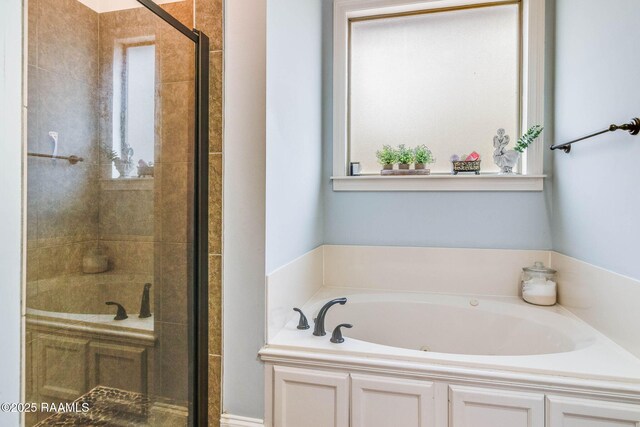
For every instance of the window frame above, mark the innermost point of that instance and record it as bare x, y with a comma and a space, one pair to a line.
532, 15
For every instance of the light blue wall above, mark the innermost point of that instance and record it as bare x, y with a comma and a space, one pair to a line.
509, 220
294, 129
11, 108
596, 196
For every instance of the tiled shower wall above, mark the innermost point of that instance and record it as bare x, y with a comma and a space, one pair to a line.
72, 208
62, 207
176, 94
209, 19
152, 216
63, 85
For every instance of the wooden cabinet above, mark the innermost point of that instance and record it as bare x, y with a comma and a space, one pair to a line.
480, 407
383, 402
310, 398
570, 412
306, 397
63, 365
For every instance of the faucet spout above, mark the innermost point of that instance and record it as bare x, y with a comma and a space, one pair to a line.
145, 309
121, 314
318, 329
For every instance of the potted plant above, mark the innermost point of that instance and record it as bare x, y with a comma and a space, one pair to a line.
422, 156
387, 157
405, 156
123, 166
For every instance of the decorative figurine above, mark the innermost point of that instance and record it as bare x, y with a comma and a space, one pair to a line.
508, 159
145, 169
505, 159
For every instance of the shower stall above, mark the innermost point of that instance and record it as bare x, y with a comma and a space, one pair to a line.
117, 227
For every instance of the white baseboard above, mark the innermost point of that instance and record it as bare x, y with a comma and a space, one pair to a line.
228, 420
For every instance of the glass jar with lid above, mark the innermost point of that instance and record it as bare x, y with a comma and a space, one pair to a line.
539, 284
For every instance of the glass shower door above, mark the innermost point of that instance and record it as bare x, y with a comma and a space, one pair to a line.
115, 279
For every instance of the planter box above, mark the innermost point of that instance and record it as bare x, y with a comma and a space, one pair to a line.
392, 172
466, 166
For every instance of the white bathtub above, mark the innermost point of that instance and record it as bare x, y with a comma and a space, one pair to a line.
77, 303
416, 330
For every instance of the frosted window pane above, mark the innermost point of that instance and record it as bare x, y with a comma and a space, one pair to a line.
448, 80
141, 101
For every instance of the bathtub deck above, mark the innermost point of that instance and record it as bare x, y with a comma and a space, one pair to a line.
602, 360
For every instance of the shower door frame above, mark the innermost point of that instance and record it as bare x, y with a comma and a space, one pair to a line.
199, 292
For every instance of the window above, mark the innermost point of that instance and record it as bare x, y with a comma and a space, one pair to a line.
444, 73
134, 106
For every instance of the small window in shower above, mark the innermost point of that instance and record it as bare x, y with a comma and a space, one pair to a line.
134, 110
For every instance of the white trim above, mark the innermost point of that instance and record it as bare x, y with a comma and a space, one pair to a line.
228, 420
13, 247
591, 387
533, 23
533, 39
439, 183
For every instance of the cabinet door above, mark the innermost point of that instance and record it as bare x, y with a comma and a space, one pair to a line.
479, 407
384, 402
310, 398
118, 366
62, 367
569, 412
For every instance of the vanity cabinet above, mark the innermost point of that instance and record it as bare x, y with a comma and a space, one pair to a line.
310, 398
341, 397
570, 412
383, 402
63, 364
316, 398
483, 407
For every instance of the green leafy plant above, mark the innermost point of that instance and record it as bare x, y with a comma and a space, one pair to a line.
387, 156
405, 155
109, 153
423, 155
527, 139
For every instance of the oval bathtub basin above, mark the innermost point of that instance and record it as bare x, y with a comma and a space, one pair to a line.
458, 325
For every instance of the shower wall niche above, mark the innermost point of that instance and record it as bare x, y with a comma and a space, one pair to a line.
116, 90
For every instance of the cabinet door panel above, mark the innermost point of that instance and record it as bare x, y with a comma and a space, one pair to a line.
118, 366
569, 412
62, 367
478, 407
383, 402
310, 398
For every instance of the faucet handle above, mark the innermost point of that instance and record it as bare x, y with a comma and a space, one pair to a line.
302, 323
121, 314
336, 337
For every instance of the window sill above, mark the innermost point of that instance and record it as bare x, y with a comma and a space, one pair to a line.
439, 182
130, 184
